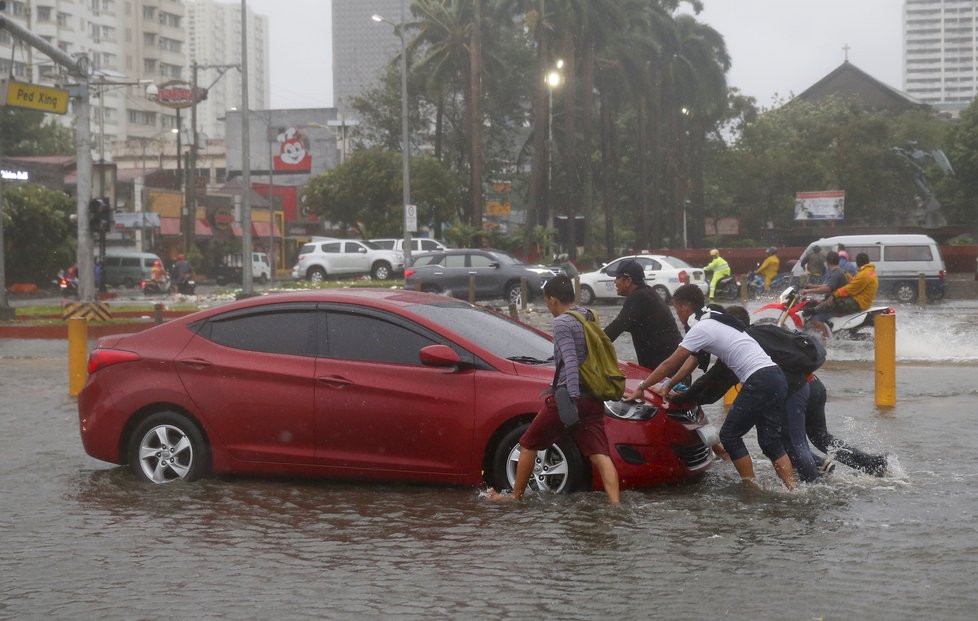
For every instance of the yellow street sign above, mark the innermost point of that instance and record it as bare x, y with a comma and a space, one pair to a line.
34, 97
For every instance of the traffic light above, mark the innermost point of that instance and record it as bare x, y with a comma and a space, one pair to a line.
100, 215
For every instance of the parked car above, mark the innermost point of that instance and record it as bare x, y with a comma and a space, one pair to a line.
370, 384
323, 257
497, 274
126, 268
663, 273
899, 260
230, 268
418, 244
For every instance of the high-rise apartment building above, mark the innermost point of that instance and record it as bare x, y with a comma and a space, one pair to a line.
940, 52
361, 46
135, 41
214, 38
125, 40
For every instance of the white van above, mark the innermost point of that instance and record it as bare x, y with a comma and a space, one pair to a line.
127, 268
899, 259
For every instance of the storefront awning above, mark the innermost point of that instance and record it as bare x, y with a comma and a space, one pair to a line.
260, 229
236, 229
202, 228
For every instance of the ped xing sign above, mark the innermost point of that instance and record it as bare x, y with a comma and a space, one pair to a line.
34, 97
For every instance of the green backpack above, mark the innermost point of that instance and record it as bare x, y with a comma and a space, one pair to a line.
599, 372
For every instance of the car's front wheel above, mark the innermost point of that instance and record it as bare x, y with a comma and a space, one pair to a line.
167, 446
316, 274
513, 294
587, 295
381, 271
558, 469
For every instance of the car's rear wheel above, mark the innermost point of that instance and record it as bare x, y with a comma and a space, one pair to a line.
316, 274
662, 292
168, 446
558, 469
381, 271
905, 292
587, 295
262, 279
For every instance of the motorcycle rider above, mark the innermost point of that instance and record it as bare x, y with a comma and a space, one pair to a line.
814, 264
181, 271
719, 267
769, 267
835, 278
855, 296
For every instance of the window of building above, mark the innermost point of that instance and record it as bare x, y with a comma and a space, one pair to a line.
149, 65
45, 13
142, 117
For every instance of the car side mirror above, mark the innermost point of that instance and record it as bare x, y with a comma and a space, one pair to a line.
439, 356
362, 250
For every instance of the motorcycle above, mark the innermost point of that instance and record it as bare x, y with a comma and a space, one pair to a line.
728, 288
185, 286
156, 287
66, 286
791, 302
755, 283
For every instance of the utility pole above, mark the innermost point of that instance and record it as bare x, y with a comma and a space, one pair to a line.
247, 279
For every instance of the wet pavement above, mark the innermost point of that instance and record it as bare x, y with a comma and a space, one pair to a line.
83, 539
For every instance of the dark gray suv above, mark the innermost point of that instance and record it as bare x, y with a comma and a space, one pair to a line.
497, 274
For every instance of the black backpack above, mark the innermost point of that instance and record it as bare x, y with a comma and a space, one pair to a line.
797, 353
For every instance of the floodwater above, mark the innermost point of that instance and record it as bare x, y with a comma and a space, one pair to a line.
81, 539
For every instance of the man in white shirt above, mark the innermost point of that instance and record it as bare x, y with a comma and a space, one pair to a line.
761, 401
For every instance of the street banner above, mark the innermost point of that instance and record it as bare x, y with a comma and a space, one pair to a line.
829, 205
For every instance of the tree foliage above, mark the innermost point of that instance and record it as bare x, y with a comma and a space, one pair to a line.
31, 132
38, 238
365, 193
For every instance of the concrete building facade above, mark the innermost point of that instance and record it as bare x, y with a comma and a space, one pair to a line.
940, 52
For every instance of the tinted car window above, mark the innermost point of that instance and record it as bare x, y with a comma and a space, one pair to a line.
454, 260
480, 260
332, 247
428, 259
907, 253
873, 252
649, 264
131, 262
277, 332
352, 248
307, 248
370, 339
673, 261
111, 261
427, 244
387, 244
490, 331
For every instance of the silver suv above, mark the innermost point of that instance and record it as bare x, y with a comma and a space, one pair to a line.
325, 256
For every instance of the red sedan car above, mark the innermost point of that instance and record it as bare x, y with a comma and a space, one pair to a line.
356, 384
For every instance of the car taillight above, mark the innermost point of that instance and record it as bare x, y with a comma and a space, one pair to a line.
101, 358
301, 257
683, 277
408, 273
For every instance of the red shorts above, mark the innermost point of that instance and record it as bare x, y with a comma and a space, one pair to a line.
589, 434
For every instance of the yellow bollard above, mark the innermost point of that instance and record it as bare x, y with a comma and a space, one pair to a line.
77, 354
731, 394
885, 328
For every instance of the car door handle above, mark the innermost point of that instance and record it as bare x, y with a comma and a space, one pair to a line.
335, 380
197, 363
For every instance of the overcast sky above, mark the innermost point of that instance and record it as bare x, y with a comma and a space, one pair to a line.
777, 46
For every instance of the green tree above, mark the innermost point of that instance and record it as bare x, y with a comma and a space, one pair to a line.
31, 132
365, 193
37, 233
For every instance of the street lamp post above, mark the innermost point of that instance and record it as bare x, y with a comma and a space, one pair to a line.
405, 144
554, 78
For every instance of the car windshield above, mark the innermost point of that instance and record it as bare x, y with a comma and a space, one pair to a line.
678, 263
490, 331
